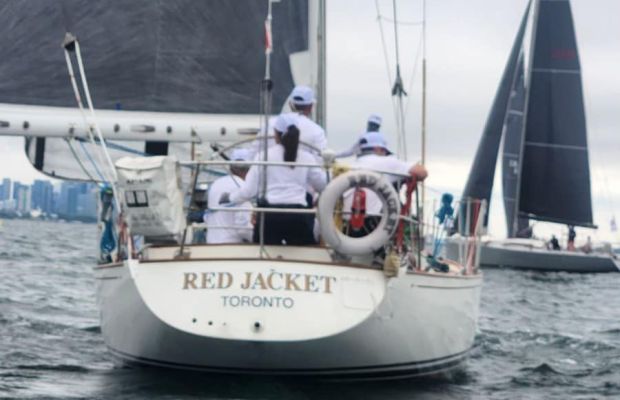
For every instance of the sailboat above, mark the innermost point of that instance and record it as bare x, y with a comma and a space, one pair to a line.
324, 310
539, 113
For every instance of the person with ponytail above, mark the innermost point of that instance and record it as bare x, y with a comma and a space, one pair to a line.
286, 186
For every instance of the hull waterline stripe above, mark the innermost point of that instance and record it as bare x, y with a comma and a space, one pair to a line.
426, 366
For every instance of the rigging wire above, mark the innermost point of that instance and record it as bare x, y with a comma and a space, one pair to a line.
399, 22
399, 91
78, 99
79, 161
386, 58
397, 83
414, 73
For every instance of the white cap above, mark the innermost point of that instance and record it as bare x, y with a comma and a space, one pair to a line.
240, 155
370, 140
302, 96
375, 119
284, 120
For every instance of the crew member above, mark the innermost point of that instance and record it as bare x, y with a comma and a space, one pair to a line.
229, 226
301, 102
554, 243
571, 238
285, 186
373, 125
375, 155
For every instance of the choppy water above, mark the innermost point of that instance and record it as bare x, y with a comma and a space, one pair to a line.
542, 336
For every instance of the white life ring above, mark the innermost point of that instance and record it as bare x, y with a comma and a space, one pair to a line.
389, 219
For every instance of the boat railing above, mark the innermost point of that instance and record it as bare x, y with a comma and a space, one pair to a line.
468, 222
405, 218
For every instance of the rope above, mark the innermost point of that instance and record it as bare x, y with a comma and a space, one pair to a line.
77, 158
78, 99
92, 161
414, 73
92, 113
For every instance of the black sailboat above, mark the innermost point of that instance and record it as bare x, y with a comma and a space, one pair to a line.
539, 114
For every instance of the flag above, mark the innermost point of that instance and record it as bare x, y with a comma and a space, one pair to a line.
268, 42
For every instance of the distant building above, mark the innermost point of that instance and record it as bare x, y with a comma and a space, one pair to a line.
23, 198
76, 200
87, 204
16, 186
43, 196
5, 189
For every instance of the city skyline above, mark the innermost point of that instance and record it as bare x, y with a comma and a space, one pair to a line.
46, 198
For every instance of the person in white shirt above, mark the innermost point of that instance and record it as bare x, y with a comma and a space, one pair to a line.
375, 155
229, 226
301, 102
373, 125
286, 187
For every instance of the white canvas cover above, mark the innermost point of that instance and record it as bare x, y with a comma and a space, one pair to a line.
152, 196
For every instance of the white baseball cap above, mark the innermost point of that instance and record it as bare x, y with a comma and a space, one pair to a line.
240, 155
284, 120
302, 96
375, 119
370, 140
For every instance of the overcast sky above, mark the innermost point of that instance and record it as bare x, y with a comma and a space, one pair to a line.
467, 47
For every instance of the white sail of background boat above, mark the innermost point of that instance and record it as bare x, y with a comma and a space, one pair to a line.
233, 308
540, 115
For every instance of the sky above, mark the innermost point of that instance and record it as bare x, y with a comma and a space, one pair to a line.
467, 47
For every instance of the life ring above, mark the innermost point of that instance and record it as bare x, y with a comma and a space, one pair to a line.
389, 219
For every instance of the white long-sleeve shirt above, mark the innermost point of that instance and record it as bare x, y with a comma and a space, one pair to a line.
285, 185
376, 162
227, 226
309, 132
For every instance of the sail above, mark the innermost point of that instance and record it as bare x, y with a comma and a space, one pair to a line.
511, 150
150, 65
480, 181
555, 175
174, 56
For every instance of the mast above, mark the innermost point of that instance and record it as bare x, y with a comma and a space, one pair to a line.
266, 86
423, 128
528, 82
321, 84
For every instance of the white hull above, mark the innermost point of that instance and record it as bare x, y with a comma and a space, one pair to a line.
344, 321
532, 255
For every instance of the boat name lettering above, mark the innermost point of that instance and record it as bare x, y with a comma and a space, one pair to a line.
278, 281
258, 301
136, 181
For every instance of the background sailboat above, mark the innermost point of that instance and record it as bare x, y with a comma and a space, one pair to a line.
546, 174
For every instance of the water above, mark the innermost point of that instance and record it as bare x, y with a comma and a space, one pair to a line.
542, 336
